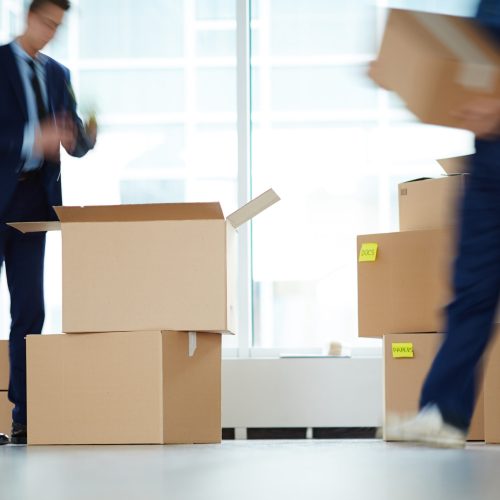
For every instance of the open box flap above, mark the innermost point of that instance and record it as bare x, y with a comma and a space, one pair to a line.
253, 208
457, 165
35, 227
137, 213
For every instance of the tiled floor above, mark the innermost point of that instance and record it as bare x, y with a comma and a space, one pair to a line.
241, 470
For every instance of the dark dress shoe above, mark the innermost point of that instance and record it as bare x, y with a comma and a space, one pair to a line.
19, 434
4, 439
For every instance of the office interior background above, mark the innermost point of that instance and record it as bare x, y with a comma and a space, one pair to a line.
163, 79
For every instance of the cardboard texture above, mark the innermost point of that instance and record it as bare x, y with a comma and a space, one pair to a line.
150, 267
124, 388
5, 413
430, 203
492, 391
456, 165
436, 63
403, 379
4, 365
407, 286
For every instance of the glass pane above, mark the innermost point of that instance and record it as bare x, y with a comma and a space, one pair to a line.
133, 91
153, 191
322, 88
127, 28
321, 27
157, 147
216, 9
216, 43
216, 90
324, 138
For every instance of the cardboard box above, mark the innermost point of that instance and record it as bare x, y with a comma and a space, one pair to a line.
428, 203
124, 388
492, 391
405, 285
456, 165
436, 64
6, 408
403, 378
4, 365
150, 267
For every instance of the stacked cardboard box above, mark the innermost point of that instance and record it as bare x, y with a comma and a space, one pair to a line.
5, 405
404, 277
404, 285
147, 292
491, 391
407, 360
448, 62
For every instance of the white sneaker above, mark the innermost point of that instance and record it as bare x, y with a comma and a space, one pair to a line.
426, 427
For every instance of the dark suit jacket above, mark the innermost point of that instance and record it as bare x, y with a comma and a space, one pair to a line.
14, 117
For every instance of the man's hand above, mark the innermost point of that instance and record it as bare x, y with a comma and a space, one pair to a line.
48, 140
481, 116
91, 129
373, 73
50, 136
68, 131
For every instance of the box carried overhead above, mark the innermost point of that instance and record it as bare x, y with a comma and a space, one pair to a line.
150, 267
437, 63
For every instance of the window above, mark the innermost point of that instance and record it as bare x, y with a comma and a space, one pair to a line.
335, 147
163, 80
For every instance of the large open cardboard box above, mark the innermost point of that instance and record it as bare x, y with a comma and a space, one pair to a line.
406, 284
429, 203
150, 267
4, 365
437, 63
404, 376
124, 388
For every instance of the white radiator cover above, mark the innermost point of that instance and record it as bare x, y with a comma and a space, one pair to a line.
303, 392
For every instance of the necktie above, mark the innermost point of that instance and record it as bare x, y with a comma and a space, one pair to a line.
35, 83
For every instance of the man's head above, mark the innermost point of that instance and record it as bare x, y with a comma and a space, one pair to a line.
44, 17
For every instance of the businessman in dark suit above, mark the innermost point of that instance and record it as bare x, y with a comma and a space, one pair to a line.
37, 116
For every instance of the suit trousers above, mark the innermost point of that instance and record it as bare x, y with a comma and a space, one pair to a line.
23, 255
451, 382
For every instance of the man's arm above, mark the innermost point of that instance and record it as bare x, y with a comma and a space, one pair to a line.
84, 136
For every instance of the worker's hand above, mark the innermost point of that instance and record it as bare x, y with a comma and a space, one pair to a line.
481, 116
374, 72
48, 140
68, 130
91, 128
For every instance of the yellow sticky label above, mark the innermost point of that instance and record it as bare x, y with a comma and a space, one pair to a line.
402, 350
368, 252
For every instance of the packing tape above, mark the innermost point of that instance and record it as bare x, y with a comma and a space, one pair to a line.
478, 70
192, 343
